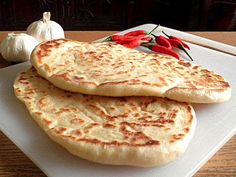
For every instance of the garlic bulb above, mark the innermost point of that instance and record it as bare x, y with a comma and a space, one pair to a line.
45, 29
17, 47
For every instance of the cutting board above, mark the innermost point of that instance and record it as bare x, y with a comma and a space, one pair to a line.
216, 124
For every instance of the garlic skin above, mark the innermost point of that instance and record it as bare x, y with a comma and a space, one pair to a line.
17, 47
45, 29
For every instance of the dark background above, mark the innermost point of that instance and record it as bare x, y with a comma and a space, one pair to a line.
187, 15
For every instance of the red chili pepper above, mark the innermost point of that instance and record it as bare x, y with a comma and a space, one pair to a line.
178, 39
179, 45
161, 40
118, 38
147, 39
136, 33
161, 49
123, 38
133, 44
115, 38
185, 45
141, 32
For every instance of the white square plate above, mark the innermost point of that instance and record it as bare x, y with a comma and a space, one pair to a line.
216, 124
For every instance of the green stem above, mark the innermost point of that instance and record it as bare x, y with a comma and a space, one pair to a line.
153, 29
107, 39
166, 34
154, 39
182, 48
154, 35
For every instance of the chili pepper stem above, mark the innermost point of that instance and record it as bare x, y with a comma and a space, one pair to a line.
107, 39
185, 51
153, 29
166, 34
154, 35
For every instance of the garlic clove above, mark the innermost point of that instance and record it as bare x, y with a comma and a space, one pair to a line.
17, 47
45, 29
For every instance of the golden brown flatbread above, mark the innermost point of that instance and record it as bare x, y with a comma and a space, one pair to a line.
109, 69
136, 131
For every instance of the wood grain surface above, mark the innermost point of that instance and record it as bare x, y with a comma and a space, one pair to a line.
13, 162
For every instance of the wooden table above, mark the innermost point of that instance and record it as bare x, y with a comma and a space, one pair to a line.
13, 162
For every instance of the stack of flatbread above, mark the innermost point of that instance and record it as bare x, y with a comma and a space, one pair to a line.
113, 105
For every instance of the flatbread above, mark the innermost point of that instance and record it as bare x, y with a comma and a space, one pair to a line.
109, 69
136, 131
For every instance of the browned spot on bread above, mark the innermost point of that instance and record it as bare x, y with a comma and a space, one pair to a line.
190, 119
107, 125
60, 130
77, 78
90, 126
225, 84
89, 53
47, 122
22, 80
38, 113
136, 138
189, 108
77, 132
77, 120
18, 90
97, 110
140, 124
136, 115
122, 72
47, 68
162, 80
30, 92
42, 102
162, 114
139, 136
65, 109
40, 55
64, 76
183, 63
149, 120
172, 114
144, 118
205, 71
26, 97
196, 67
186, 130
113, 118
176, 137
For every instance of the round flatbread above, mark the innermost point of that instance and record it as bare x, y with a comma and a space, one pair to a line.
109, 69
136, 131
101, 69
